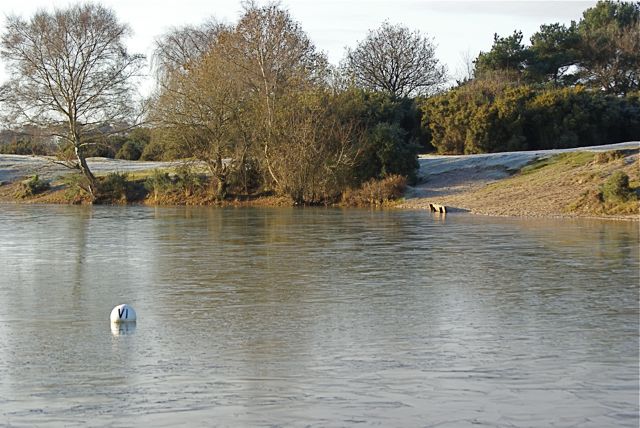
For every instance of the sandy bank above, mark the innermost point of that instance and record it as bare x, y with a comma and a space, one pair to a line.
465, 183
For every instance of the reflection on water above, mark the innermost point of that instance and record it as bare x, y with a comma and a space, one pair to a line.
122, 329
316, 317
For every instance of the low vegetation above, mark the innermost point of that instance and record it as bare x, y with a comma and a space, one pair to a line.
376, 192
615, 197
184, 186
32, 187
28, 147
564, 185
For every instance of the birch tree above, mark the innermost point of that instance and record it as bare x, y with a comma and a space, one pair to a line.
70, 73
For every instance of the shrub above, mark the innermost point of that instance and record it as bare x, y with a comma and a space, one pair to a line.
113, 188
486, 116
32, 187
131, 150
188, 181
394, 152
616, 188
608, 156
376, 192
77, 188
178, 187
27, 147
391, 133
158, 183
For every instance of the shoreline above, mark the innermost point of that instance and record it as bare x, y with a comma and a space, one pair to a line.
500, 185
483, 184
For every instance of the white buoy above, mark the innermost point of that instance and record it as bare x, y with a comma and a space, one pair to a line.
123, 313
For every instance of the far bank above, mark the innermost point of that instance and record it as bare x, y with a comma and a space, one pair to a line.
561, 183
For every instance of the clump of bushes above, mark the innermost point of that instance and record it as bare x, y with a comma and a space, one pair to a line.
130, 150
113, 188
616, 188
608, 156
376, 192
32, 187
28, 147
158, 183
615, 196
488, 116
180, 187
76, 188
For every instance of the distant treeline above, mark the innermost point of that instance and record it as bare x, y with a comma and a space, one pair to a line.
575, 85
129, 145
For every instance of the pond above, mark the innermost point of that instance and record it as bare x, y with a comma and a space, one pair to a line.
316, 317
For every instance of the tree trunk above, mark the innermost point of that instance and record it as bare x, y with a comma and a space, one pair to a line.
221, 191
84, 169
220, 171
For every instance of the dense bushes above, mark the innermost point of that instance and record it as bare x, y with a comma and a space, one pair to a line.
571, 87
392, 135
180, 187
114, 187
485, 116
616, 188
28, 147
376, 192
128, 146
32, 187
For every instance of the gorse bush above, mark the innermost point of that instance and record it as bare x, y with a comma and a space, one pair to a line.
28, 147
32, 187
189, 181
487, 116
616, 188
158, 183
113, 188
130, 150
76, 188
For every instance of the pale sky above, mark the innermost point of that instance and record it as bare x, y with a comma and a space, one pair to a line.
459, 28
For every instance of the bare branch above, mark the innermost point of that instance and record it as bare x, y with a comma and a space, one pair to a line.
396, 60
70, 67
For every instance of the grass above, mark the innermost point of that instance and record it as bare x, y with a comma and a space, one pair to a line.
563, 160
568, 184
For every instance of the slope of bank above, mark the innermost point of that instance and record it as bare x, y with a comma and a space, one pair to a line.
538, 183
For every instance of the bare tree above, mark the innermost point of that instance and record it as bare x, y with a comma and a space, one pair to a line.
70, 72
198, 108
397, 60
316, 149
272, 56
181, 48
465, 69
255, 94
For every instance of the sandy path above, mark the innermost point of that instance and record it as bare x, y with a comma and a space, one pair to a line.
442, 177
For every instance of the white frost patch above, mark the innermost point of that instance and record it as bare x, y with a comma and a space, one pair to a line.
438, 164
